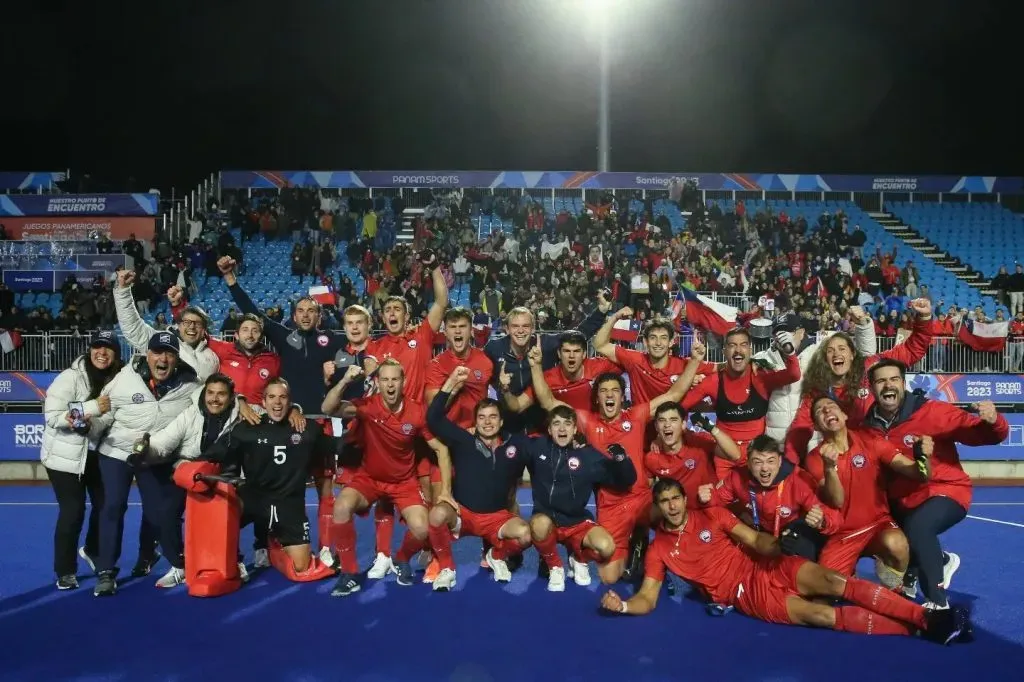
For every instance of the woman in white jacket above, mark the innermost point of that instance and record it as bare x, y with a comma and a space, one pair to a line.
70, 458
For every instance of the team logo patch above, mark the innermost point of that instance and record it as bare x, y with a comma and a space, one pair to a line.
264, 373
234, 363
407, 428
412, 343
478, 374
862, 393
296, 438
574, 463
785, 511
859, 461
627, 425
322, 341
704, 536
908, 440
138, 398
674, 378
510, 451
690, 464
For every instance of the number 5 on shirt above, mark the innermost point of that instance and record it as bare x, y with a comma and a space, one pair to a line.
280, 454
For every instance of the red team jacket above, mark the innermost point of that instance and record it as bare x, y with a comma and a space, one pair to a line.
947, 425
250, 374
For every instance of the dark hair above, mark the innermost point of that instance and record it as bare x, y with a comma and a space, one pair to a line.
602, 378
219, 378
250, 317
765, 443
654, 325
98, 378
278, 381
736, 331
459, 313
666, 485
486, 402
563, 411
887, 362
572, 338
670, 406
814, 404
198, 312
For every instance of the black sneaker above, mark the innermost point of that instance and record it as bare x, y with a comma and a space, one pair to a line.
944, 626
144, 565
346, 585
515, 562
403, 573
106, 584
67, 582
542, 570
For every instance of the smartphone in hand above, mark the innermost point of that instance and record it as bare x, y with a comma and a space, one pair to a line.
77, 412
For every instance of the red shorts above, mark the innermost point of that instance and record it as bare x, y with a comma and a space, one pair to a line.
622, 518
485, 526
842, 550
573, 536
405, 494
764, 593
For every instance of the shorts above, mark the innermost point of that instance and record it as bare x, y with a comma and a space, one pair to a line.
763, 595
328, 467
284, 519
485, 526
574, 535
842, 550
403, 494
622, 518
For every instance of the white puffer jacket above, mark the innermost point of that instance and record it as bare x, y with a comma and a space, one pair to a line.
184, 435
784, 402
136, 332
63, 449
135, 411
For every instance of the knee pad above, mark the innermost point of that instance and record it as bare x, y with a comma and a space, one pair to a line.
887, 575
280, 560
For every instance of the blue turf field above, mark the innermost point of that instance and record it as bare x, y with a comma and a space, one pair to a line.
481, 632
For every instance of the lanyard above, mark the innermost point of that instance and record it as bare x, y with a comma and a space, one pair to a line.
757, 516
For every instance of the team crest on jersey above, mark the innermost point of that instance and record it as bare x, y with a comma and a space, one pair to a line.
908, 440
574, 463
705, 536
322, 341
784, 512
627, 425
412, 343
859, 461
690, 464
138, 398
296, 438
407, 428
264, 373
863, 393
234, 363
674, 378
478, 374
510, 451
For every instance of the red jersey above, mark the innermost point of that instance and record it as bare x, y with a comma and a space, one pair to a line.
463, 405
249, 372
856, 407
947, 425
575, 392
414, 349
628, 431
388, 438
790, 496
741, 403
646, 381
693, 465
863, 478
702, 553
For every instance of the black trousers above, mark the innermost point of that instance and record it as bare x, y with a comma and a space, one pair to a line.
71, 491
159, 497
923, 525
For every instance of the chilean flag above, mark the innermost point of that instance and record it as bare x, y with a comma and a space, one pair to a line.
627, 331
322, 295
989, 337
10, 340
701, 311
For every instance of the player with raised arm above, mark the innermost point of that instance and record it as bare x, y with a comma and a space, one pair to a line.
731, 564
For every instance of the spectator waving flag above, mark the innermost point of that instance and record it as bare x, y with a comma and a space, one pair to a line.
984, 336
322, 295
10, 340
627, 331
705, 313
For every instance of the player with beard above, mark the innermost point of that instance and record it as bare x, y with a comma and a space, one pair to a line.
653, 370
247, 361
851, 467
740, 395
926, 509
776, 494
838, 370
625, 514
732, 564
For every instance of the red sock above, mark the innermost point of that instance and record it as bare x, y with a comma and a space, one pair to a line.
879, 600
410, 545
548, 550
505, 548
441, 543
384, 522
344, 541
860, 620
323, 528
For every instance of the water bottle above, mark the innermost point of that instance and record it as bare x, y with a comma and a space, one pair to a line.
138, 454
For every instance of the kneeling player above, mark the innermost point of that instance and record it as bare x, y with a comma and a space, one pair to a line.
488, 464
734, 565
276, 462
562, 477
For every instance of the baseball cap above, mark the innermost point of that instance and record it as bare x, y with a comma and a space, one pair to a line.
105, 339
164, 341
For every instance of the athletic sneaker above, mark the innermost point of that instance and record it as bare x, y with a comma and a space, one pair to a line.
89, 560
949, 568
403, 572
515, 562
381, 567
172, 578
433, 569
106, 584
346, 585
556, 579
445, 580
326, 557
144, 565
945, 626
67, 582
243, 572
498, 567
579, 571
260, 558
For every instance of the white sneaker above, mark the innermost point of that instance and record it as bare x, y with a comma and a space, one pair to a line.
326, 558
579, 571
949, 569
381, 567
172, 578
498, 568
556, 579
445, 580
243, 573
261, 559
87, 559
932, 606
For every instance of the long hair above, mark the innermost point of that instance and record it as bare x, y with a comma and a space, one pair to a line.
819, 380
98, 378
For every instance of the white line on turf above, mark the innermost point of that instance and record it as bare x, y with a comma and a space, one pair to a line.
1002, 523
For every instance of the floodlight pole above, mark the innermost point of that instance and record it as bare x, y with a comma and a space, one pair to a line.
603, 115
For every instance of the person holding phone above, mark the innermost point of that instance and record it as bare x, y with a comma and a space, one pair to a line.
69, 456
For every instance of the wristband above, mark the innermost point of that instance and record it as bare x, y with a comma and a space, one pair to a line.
623, 608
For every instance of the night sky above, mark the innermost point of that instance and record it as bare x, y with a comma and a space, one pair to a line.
170, 91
